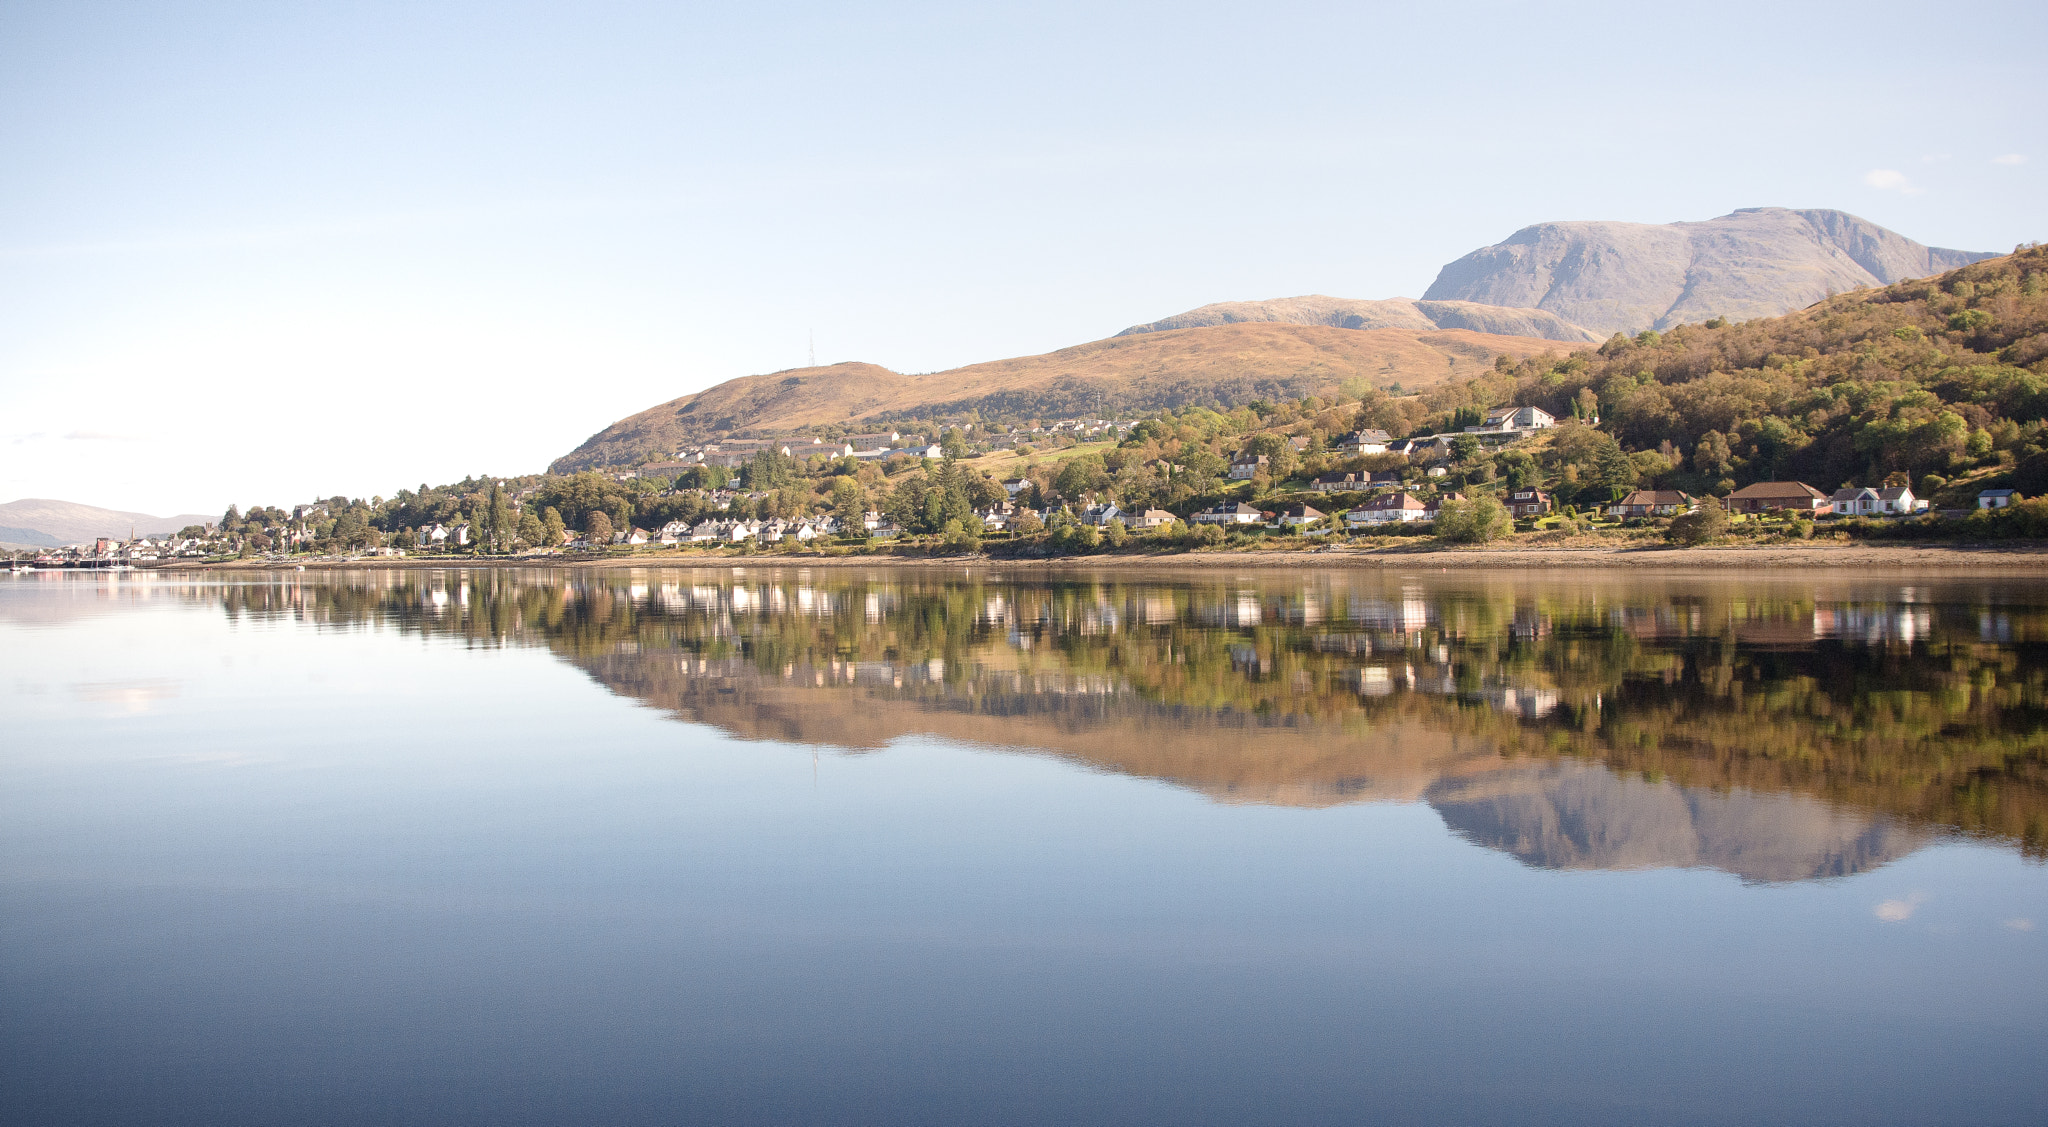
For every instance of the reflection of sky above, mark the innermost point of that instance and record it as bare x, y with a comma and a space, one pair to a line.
361, 876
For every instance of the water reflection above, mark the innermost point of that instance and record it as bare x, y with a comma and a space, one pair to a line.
1775, 729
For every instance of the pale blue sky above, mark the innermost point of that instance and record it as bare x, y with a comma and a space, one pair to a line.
257, 253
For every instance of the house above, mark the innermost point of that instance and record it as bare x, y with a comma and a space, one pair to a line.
1339, 483
1769, 496
1438, 471
433, 535
1509, 419
1897, 500
1245, 465
1152, 518
1853, 501
1299, 516
1385, 479
634, 536
1436, 504
1364, 442
1229, 513
1652, 503
1100, 515
1388, 508
1998, 498
1018, 486
1529, 502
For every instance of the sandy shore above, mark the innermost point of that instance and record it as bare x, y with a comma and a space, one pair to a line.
1834, 555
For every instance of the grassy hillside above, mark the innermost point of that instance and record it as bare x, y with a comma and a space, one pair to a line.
1941, 379
1217, 364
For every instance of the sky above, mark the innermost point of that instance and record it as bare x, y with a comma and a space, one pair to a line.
262, 253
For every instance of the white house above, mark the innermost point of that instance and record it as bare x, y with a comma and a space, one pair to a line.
1998, 498
1853, 501
1230, 513
1388, 508
1244, 466
1515, 418
1364, 442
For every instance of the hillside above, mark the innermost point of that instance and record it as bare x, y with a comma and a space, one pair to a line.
43, 522
1391, 313
1226, 364
1941, 379
1627, 277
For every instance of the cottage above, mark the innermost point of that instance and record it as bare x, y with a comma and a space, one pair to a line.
1390, 508
1652, 503
633, 536
1152, 518
1338, 483
1998, 498
1898, 500
1853, 501
1016, 486
1245, 466
1230, 513
1529, 502
1436, 504
1769, 496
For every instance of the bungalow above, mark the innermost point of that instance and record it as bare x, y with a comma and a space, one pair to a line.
1897, 500
1244, 466
1229, 513
1529, 502
1767, 496
1298, 516
1339, 483
633, 536
1385, 479
1853, 501
1390, 508
1152, 518
1998, 498
1653, 503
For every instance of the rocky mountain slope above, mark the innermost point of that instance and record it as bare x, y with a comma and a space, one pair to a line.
43, 522
1627, 277
1225, 363
1390, 313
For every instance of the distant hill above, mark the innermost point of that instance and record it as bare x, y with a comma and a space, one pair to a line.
1391, 313
1627, 277
45, 523
1224, 364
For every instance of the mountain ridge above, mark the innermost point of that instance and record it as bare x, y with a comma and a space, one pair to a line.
1385, 313
1612, 276
1230, 363
69, 522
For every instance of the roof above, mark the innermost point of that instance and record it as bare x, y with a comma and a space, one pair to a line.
1402, 500
1239, 507
1659, 497
1767, 489
1894, 492
1997, 492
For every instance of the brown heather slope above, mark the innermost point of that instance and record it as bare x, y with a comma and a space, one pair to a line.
1214, 364
1390, 313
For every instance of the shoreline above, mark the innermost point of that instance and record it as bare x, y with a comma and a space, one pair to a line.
2008, 557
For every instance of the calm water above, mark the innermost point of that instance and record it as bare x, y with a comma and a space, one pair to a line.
711, 846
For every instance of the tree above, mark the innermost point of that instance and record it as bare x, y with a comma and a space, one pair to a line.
552, 528
597, 528
1475, 521
1114, 533
848, 503
1703, 525
531, 532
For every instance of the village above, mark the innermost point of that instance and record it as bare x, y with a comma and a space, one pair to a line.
1419, 477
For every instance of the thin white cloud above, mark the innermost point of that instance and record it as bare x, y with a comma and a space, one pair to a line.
1890, 180
2010, 158
2020, 924
1898, 911
98, 436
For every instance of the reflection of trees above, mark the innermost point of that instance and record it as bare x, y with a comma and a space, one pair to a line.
1925, 704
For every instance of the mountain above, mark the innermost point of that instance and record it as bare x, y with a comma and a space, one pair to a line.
1627, 277
1391, 313
1225, 363
45, 523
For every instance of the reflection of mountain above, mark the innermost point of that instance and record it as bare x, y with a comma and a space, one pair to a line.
1844, 717
1577, 815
